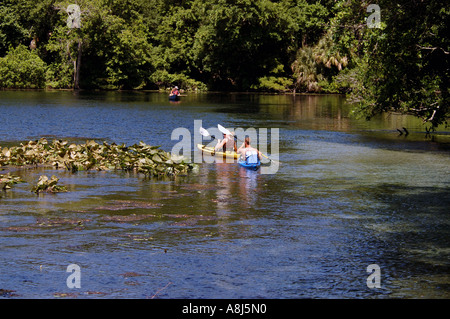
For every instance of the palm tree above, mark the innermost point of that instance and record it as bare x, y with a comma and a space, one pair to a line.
304, 69
314, 64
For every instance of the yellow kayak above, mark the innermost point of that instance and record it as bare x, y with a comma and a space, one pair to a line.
210, 151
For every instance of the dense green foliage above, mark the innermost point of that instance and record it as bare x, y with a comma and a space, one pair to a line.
196, 44
22, 68
241, 45
404, 65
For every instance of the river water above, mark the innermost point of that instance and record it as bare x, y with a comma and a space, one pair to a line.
347, 194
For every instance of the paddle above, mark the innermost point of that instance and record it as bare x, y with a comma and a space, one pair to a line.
206, 133
225, 131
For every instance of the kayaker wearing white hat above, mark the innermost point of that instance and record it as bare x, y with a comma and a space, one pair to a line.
227, 144
175, 91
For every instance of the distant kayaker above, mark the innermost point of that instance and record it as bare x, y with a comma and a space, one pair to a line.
248, 153
227, 144
175, 91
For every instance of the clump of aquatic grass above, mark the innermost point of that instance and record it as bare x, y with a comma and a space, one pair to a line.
48, 185
143, 158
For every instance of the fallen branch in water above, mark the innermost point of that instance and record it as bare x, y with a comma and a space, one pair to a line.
169, 283
406, 131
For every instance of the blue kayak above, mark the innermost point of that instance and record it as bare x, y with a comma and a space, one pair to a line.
251, 166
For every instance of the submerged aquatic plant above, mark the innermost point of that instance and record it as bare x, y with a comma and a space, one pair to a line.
48, 185
143, 158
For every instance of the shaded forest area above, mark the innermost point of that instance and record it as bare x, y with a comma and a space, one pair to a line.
393, 56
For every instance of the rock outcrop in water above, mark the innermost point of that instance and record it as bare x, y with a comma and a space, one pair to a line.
143, 158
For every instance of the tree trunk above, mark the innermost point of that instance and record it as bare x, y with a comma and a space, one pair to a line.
76, 66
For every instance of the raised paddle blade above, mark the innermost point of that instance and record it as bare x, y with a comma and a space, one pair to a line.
204, 132
223, 130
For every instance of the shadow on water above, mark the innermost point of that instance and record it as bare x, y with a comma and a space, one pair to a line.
410, 238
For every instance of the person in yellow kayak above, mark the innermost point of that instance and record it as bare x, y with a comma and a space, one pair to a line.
227, 144
248, 153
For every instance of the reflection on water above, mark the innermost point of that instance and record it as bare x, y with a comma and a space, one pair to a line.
348, 194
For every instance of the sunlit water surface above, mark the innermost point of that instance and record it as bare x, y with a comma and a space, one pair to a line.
347, 194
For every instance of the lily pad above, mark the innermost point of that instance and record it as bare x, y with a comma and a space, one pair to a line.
48, 185
8, 180
144, 158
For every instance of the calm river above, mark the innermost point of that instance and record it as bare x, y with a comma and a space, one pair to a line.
348, 194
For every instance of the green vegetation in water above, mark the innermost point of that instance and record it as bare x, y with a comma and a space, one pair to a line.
142, 158
48, 185
8, 180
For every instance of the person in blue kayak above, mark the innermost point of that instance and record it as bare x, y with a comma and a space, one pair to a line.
227, 144
250, 154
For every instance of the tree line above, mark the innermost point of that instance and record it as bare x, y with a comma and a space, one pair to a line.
323, 46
